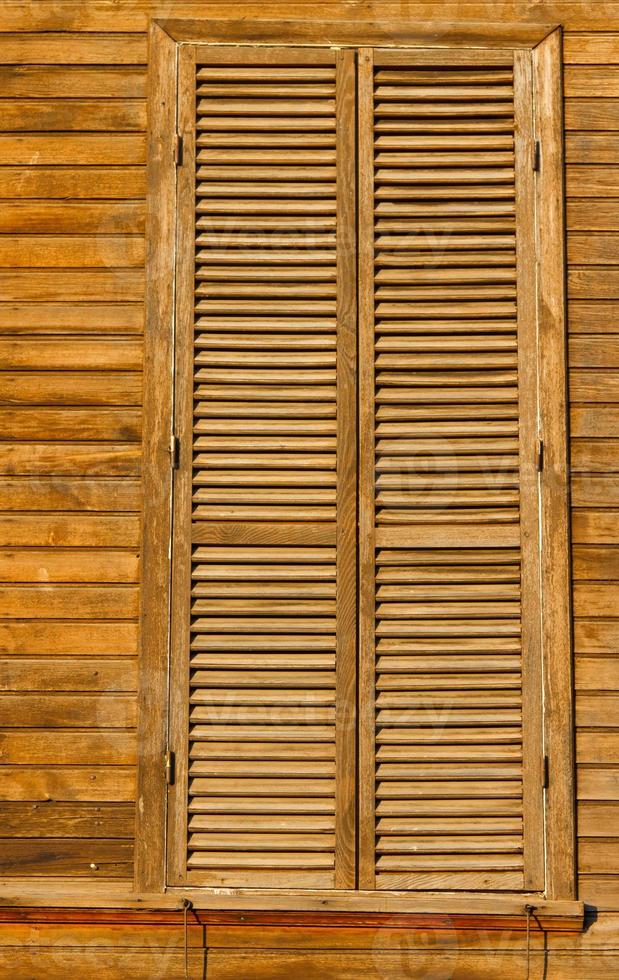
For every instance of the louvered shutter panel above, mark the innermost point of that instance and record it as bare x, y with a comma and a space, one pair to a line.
449, 749
263, 625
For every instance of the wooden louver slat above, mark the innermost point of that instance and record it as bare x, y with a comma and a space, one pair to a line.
265, 628
448, 502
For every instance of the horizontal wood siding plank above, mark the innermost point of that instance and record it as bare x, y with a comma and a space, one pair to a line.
600, 891
65, 15
76, 858
274, 964
96, 319
592, 316
600, 387
598, 819
595, 563
93, 284
21, 183
591, 148
56, 493
592, 114
596, 599
592, 214
45, 82
69, 387
592, 351
46, 565
591, 48
66, 115
592, 282
65, 784
71, 424
71, 674
68, 639
72, 218
71, 251
592, 707
589, 181
52, 748
596, 747
79, 355
597, 674
587, 81
60, 710
73, 49
594, 421
68, 531
595, 456
593, 248
68, 820
83, 149
89, 459
597, 782
64, 601
595, 636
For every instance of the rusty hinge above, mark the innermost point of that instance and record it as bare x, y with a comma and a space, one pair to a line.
178, 150
537, 156
545, 773
170, 768
539, 455
175, 452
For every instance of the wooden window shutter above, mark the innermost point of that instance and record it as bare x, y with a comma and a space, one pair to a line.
450, 667
369, 616
263, 618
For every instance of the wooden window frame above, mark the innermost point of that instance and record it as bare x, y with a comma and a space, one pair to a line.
544, 42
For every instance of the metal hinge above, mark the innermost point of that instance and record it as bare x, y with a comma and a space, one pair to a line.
539, 455
175, 452
178, 150
170, 768
545, 773
537, 156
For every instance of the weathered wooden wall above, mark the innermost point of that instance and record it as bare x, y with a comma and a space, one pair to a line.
72, 188
237, 952
592, 154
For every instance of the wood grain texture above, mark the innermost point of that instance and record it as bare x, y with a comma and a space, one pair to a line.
60, 48
555, 525
62, 115
577, 15
346, 652
421, 473
531, 584
45, 65
63, 820
84, 149
180, 641
80, 183
393, 32
43, 82
156, 513
367, 550
70, 489
267, 491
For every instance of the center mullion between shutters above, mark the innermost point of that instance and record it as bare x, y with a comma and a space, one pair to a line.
346, 367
